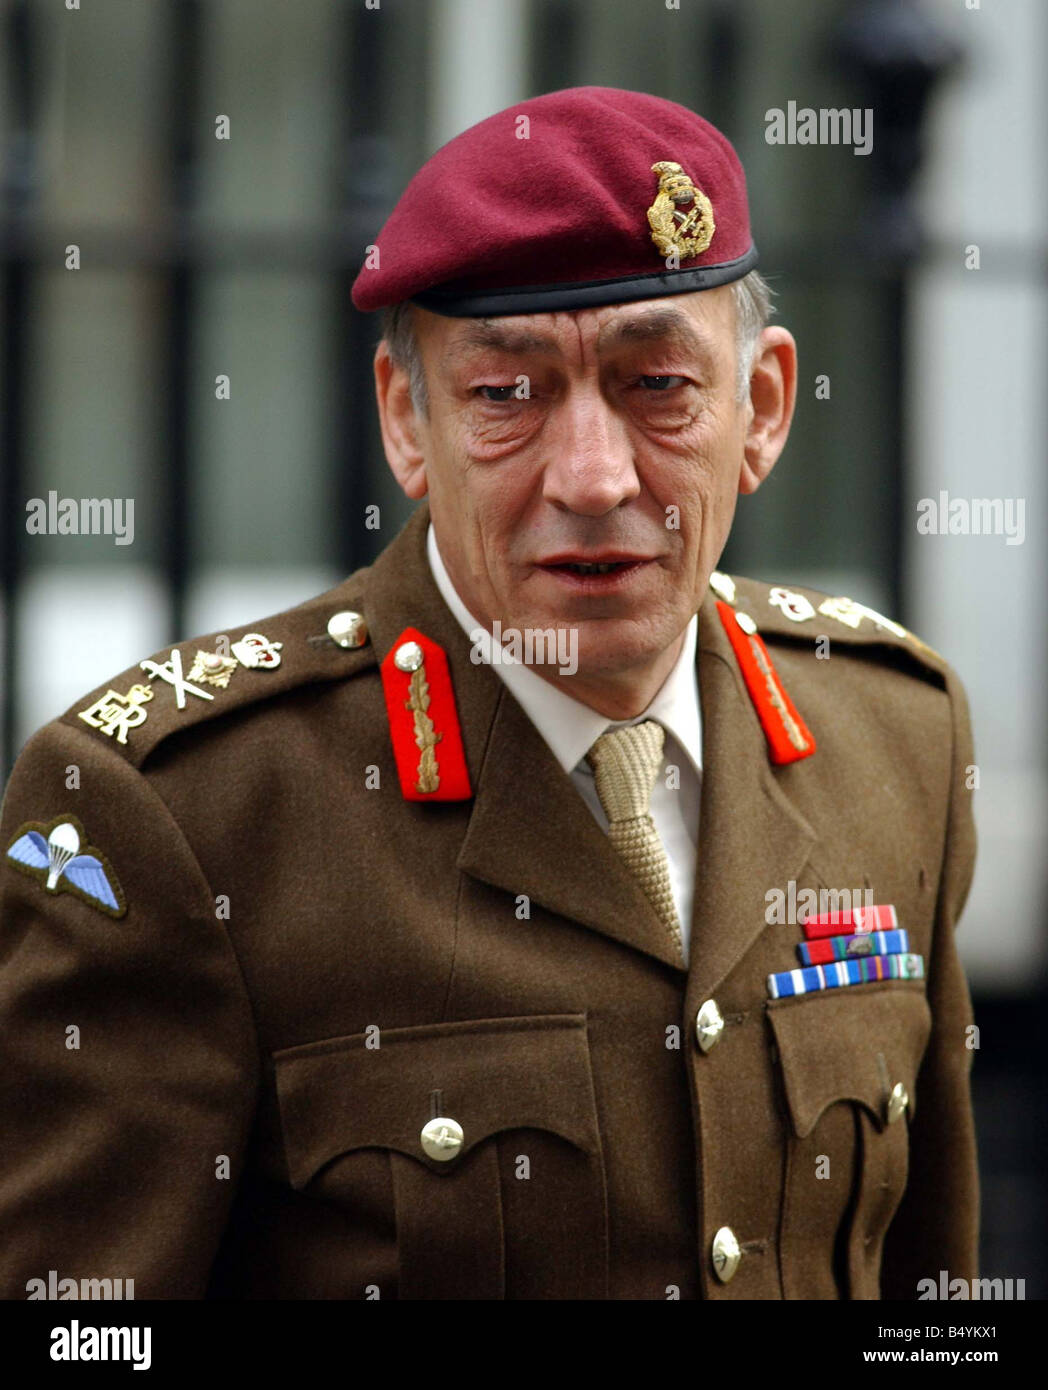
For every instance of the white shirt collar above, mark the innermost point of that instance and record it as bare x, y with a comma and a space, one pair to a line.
570, 727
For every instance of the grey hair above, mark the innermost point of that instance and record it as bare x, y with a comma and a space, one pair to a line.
753, 308
398, 333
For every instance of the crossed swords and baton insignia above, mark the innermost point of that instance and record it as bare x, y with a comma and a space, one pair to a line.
114, 713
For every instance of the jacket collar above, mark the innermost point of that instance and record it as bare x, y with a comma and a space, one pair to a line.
530, 832
753, 836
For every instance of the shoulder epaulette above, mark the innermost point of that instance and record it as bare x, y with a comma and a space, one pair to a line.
750, 610
792, 611
189, 683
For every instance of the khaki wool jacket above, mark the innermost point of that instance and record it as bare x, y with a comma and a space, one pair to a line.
221, 1093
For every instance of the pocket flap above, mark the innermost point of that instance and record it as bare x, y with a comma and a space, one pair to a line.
850, 1044
493, 1074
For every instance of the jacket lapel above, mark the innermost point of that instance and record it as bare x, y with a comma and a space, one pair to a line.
752, 836
529, 830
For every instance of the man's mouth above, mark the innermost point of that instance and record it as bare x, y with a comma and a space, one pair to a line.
598, 564
608, 570
605, 568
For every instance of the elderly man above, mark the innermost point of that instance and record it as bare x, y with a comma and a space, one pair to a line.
541, 913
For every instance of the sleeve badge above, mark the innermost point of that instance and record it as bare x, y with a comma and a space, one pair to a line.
57, 856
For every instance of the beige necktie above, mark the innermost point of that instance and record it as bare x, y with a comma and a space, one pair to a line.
625, 764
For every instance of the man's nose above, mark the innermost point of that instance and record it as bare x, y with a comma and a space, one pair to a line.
590, 467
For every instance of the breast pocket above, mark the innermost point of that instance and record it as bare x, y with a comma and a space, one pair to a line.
849, 1060
490, 1131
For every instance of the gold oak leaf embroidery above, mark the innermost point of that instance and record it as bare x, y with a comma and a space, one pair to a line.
788, 722
425, 735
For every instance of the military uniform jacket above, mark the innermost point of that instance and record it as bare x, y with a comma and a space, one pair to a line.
221, 1092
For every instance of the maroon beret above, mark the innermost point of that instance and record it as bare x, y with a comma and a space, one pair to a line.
599, 197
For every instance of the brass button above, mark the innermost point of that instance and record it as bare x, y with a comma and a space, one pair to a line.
348, 629
726, 1254
897, 1102
442, 1138
709, 1025
408, 656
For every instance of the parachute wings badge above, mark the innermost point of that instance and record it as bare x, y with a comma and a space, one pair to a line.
51, 855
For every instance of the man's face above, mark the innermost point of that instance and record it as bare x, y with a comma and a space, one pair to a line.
559, 442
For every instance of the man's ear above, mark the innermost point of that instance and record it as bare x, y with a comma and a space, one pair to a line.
773, 394
399, 424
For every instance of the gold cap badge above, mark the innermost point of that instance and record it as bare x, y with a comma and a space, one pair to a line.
674, 232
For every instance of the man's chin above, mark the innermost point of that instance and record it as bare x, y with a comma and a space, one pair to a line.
615, 647
598, 646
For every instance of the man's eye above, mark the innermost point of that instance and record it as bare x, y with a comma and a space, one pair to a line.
662, 383
497, 393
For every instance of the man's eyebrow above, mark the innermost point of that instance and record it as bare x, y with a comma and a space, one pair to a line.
489, 333
660, 325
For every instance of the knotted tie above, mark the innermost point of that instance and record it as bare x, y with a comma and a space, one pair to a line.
625, 764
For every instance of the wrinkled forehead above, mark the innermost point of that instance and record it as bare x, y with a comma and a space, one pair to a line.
701, 324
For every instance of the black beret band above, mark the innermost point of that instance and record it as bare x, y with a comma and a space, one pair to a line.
584, 294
